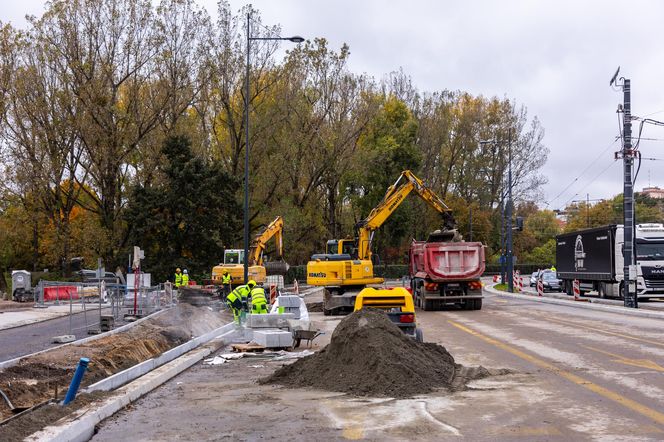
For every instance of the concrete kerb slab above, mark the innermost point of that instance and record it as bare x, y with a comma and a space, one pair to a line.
226, 332
81, 427
11, 362
583, 305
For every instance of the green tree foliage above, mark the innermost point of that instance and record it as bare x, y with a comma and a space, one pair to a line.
91, 91
189, 219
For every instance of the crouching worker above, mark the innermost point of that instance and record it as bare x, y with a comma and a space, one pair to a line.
234, 303
258, 301
237, 299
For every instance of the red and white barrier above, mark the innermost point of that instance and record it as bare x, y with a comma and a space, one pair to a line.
577, 290
495, 278
540, 287
296, 287
273, 293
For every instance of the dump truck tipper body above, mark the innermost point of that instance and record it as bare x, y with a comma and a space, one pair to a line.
447, 273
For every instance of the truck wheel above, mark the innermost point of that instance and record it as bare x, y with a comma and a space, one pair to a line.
568, 288
419, 337
478, 304
601, 290
428, 305
327, 312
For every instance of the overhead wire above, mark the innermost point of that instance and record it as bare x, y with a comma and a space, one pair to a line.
592, 163
590, 182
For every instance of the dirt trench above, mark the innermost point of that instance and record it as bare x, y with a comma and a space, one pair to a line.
37, 378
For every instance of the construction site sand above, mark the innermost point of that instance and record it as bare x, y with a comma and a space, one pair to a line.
35, 379
368, 355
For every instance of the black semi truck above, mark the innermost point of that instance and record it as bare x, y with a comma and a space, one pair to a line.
595, 257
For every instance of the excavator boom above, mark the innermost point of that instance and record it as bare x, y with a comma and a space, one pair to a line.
274, 229
395, 195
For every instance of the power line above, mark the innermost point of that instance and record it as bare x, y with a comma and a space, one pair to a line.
590, 182
583, 172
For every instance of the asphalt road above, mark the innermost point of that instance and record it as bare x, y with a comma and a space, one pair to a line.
34, 337
576, 374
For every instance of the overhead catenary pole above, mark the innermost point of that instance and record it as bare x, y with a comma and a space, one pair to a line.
503, 256
630, 298
510, 259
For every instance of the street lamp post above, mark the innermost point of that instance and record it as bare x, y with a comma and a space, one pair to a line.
294, 39
506, 212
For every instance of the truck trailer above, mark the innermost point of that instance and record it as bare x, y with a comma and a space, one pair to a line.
446, 273
595, 258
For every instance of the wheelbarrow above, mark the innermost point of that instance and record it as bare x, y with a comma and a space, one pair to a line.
306, 335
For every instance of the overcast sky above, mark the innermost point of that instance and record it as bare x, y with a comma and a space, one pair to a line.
554, 57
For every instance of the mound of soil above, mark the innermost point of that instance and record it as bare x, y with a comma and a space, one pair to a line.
369, 356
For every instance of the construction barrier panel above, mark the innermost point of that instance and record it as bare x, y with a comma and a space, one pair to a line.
60, 293
540, 287
296, 287
273, 293
577, 290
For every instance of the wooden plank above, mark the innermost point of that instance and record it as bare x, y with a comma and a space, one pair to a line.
248, 348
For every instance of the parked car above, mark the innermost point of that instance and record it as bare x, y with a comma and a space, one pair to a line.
533, 279
550, 281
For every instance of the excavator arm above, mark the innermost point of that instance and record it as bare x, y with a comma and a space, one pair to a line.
395, 195
274, 229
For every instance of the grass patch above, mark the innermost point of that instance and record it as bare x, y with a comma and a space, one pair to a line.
503, 288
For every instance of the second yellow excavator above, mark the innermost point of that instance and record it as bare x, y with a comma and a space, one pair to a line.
347, 266
258, 267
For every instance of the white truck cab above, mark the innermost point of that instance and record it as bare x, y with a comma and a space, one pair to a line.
649, 244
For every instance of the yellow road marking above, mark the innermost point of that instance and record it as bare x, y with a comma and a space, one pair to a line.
608, 332
642, 363
502, 301
578, 380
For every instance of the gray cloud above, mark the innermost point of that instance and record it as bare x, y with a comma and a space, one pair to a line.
555, 57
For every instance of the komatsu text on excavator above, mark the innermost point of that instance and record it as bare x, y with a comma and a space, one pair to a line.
258, 267
347, 266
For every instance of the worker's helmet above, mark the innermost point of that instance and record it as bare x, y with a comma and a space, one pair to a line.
225, 272
185, 271
251, 284
178, 270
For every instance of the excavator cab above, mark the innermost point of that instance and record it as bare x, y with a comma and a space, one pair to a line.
233, 256
341, 247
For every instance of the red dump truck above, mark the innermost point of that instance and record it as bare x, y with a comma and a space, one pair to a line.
446, 273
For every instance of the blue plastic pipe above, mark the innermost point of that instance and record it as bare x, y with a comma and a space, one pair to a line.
76, 380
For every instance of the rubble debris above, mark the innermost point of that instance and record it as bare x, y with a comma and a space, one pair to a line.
369, 356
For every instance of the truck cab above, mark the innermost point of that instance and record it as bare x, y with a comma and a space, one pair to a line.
649, 245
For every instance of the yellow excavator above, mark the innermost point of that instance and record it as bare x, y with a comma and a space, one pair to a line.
258, 267
347, 266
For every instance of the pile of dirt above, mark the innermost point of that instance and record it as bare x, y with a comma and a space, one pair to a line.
25, 425
369, 356
35, 379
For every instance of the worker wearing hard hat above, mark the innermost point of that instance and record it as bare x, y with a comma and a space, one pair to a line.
237, 299
258, 301
185, 278
226, 283
178, 277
